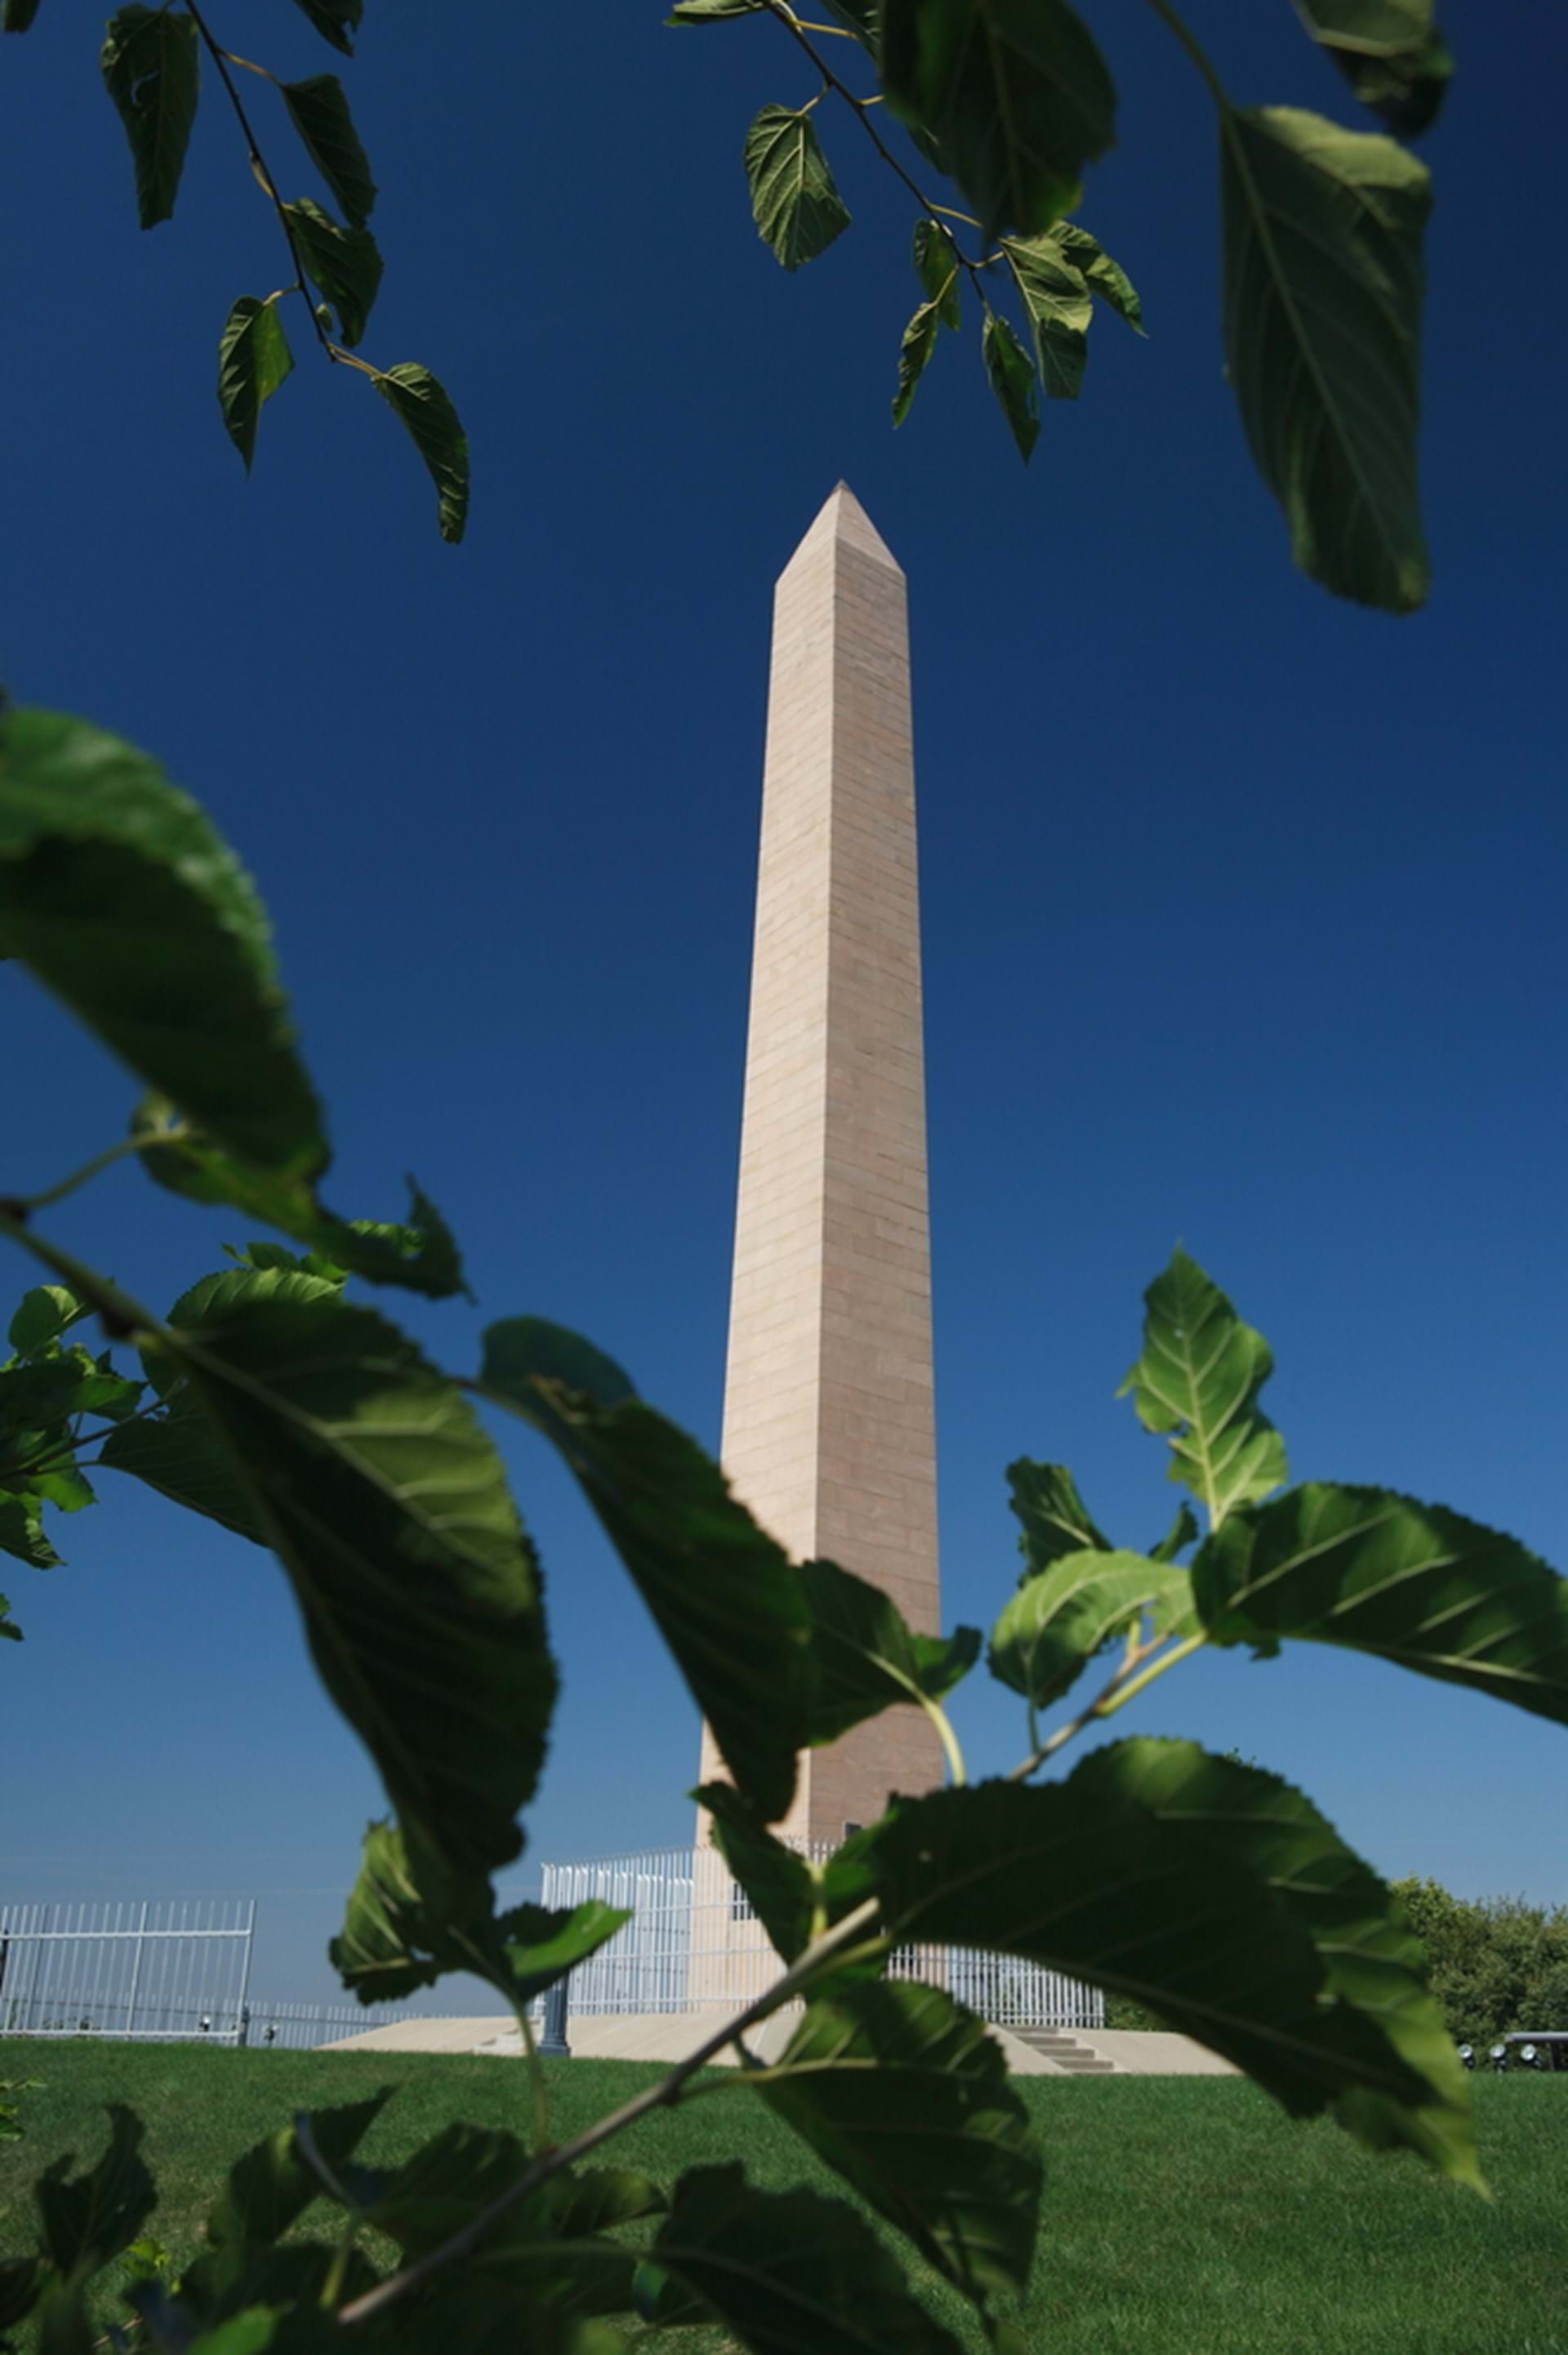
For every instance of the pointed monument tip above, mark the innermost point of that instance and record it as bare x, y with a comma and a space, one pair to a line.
843, 518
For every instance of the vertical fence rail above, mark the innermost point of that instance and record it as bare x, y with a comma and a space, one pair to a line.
694, 1944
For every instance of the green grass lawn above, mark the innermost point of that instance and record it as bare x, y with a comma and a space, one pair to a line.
1183, 2216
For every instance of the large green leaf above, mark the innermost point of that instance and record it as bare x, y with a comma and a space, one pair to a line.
1057, 302
919, 343
335, 20
787, 1889
1372, 1960
1379, 1573
790, 2273
127, 904
318, 107
410, 1923
426, 409
150, 62
904, 2093
345, 264
1099, 1876
50, 1390
181, 1455
1056, 1623
87, 2220
797, 209
1391, 53
1055, 1518
389, 1507
1323, 234
253, 358
1197, 1381
419, 1256
726, 1597
864, 1655
1013, 381
1016, 92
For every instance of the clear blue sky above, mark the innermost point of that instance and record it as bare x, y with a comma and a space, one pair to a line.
1243, 909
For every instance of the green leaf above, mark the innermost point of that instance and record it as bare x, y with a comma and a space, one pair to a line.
1055, 1519
253, 358
726, 1597
19, 15
1106, 278
866, 1657
939, 268
22, 2281
1056, 299
52, 1390
790, 2273
151, 63
335, 20
345, 264
1373, 1962
1197, 1381
1413, 1583
422, 1256
180, 1455
1323, 233
1018, 95
1391, 53
268, 2190
318, 107
1013, 381
1056, 1623
703, 11
857, 16
389, 1507
784, 1887
903, 2092
87, 2221
408, 1924
797, 209
423, 405
9, 1631
1100, 1876
42, 1315
1180, 1534
919, 343
125, 902
22, 1532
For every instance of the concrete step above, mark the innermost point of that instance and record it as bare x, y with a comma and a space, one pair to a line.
1075, 2060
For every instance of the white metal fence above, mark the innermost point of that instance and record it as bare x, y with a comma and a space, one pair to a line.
694, 1943
161, 1972
155, 1971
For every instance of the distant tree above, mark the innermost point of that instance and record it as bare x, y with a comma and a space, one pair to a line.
1494, 1964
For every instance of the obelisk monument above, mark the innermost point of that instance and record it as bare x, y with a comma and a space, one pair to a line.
828, 1429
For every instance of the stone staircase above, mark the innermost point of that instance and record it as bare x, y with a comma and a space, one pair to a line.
1066, 2050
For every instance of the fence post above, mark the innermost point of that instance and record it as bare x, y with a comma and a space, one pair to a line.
554, 2040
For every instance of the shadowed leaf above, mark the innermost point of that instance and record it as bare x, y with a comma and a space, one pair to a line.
865, 1657
919, 343
318, 107
268, 2190
335, 20
1055, 1519
1015, 91
1324, 280
150, 66
1013, 381
345, 264
939, 271
87, 2220
1391, 53
425, 409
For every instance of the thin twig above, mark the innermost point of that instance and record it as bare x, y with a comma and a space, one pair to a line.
792, 25
176, 1135
1122, 1688
259, 165
663, 2095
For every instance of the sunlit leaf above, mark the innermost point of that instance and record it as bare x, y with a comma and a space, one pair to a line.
919, 343
1197, 1381
797, 208
1104, 277
939, 271
43, 1314
1391, 53
1413, 1583
253, 358
1013, 381
1056, 299
1056, 1623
